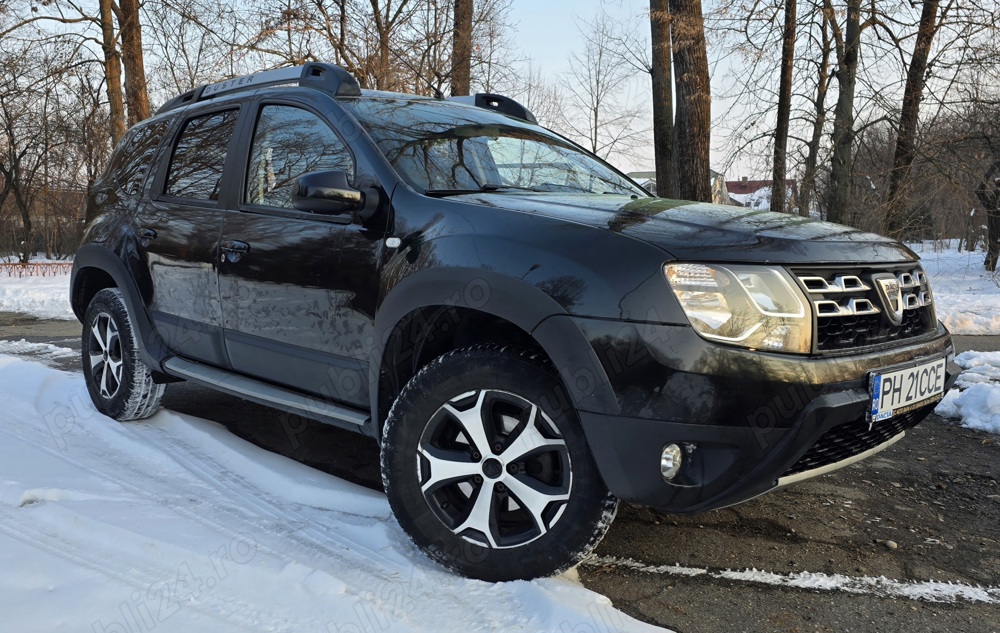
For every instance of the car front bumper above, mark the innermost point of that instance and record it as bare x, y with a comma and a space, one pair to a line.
748, 422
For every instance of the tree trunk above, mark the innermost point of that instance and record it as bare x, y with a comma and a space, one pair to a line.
993, 240
843, 122
382, 73
989, 194
812, 155
136, 95
112, 72
24, 209
900, 219
661, 72
693, 124
778, 201
461, 52
342, 42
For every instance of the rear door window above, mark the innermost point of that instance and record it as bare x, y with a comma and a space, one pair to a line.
199, 156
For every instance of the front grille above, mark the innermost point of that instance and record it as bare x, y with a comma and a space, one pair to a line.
851, 312
853, 438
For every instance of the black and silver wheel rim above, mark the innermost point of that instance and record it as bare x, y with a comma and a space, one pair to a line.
494, 468
104, 350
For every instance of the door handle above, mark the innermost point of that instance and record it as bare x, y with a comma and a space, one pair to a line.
234, 250
145, 235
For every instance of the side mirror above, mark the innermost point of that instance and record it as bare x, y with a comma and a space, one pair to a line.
326, 192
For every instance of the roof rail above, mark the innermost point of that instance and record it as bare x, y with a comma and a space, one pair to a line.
327, 77
499, 103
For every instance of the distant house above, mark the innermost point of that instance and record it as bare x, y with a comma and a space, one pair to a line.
756, 194
720, 194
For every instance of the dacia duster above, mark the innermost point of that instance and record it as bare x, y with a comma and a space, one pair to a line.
529, 334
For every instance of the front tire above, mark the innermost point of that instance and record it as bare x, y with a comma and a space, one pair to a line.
487, 469
120, 385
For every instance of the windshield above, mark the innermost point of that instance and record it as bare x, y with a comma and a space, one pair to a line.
441, 148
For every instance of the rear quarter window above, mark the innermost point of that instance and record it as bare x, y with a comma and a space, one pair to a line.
129, 165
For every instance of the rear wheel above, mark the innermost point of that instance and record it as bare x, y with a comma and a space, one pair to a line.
120, 385
487, 469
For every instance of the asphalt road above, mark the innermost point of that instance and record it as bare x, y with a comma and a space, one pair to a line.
926, 509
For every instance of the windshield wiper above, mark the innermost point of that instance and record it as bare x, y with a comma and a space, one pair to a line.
489, 188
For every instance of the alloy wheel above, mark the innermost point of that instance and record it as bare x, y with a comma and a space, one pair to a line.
494, 468
105, 353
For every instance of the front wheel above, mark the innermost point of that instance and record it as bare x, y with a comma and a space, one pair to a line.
487, 469
120, 385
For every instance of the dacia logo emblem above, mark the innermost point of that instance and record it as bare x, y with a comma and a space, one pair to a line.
892, 297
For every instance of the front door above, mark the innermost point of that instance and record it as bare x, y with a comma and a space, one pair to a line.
285, 317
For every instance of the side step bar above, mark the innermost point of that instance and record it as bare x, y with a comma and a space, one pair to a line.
266, 394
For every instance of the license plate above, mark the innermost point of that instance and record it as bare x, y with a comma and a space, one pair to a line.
897, 392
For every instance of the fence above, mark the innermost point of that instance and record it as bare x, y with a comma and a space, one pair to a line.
42, 269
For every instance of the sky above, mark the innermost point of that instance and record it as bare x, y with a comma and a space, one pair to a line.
546, 32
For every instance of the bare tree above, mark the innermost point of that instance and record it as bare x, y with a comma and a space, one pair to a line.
693, 122
540, 96
988, 193
461, 52
778, 201
847, 39
112, 26
898, 219
25, 141
130, 30
661, 74
822, 67
495, 61
596, 113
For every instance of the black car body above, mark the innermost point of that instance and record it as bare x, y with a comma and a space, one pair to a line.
331, 302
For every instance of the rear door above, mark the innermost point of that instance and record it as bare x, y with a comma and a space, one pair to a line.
282, 300
179, 230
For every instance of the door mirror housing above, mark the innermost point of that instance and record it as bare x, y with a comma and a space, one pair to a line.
326, 192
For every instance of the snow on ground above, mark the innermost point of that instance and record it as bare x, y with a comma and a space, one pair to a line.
41, 351
976, 398
967, 298
174, 524
43, 297
926, 591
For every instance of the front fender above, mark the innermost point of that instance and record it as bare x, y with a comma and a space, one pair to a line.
508, 298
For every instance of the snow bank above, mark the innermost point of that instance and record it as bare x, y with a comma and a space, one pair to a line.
43, 297
966, 297
976, 399
174, 524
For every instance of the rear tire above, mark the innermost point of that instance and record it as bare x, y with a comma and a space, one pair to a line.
120, 384
487, 469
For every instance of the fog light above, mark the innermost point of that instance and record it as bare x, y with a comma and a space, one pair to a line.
670, 461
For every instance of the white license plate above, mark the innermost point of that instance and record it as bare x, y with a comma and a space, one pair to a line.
897, 392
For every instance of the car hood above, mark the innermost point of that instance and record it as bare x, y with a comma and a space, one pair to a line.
699, 231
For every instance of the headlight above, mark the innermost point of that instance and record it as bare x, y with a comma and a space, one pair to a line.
757, 307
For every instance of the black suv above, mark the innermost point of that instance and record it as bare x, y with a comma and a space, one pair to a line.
529, 334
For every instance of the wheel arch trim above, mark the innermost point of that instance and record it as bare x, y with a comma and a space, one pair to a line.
513, 300
151, 347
